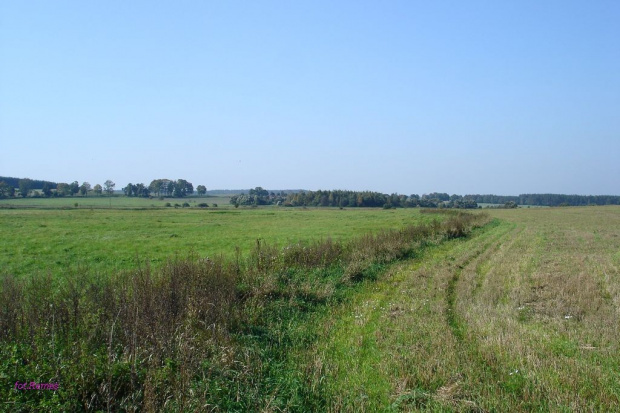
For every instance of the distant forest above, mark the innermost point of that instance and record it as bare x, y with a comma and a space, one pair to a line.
548, 199
338, 198
25, 187
36, 184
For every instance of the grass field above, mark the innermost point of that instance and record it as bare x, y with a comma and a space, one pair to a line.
54, 239
522, 314
114, 202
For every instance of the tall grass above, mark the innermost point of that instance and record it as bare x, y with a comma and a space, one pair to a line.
194, 334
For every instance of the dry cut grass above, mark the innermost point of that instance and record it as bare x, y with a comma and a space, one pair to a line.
523, 316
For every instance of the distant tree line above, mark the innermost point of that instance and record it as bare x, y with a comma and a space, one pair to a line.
349, 199
167, 187
12, 187
164, 188
24, 187
28, 187
35, 183
550, 200
258, 196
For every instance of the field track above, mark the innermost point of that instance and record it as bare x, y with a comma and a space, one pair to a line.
523, 315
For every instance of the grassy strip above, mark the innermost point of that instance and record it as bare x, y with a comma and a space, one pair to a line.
197, 334
386, 348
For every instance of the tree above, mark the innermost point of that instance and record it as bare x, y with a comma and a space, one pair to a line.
108, 186
75, 187
141, 190
189, 188
6, 190
128, 190
201, 189
63, 189
25, 186
97, 189
85, 188
181, 188
47, 190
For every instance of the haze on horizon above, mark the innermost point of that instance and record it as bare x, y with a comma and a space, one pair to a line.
407, 97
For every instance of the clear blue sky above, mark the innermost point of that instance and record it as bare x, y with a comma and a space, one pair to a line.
501, 97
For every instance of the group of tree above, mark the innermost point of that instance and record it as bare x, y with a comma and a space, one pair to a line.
164, 188
342, 199
74, 188
30, 187
550, 200
258, 196
34, 183
11, 187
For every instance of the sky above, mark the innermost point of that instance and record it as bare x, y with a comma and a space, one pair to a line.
502, 97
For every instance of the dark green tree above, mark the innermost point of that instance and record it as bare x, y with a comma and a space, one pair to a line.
63, 189
129, 189
75, 187
6, 190
25, 186
47, 190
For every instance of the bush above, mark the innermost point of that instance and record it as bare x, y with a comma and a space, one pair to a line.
185, 205
203, 205
168, 205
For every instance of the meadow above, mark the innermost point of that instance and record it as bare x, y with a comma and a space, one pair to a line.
113, 202
103, 239
374, 310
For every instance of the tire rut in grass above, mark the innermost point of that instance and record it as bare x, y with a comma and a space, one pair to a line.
473, 359
456, 324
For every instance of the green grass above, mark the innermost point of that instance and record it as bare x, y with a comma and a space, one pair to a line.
194, 332
52, 240
519, 315
114, 202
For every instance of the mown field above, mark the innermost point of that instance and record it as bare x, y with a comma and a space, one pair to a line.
522, 316
519, 311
